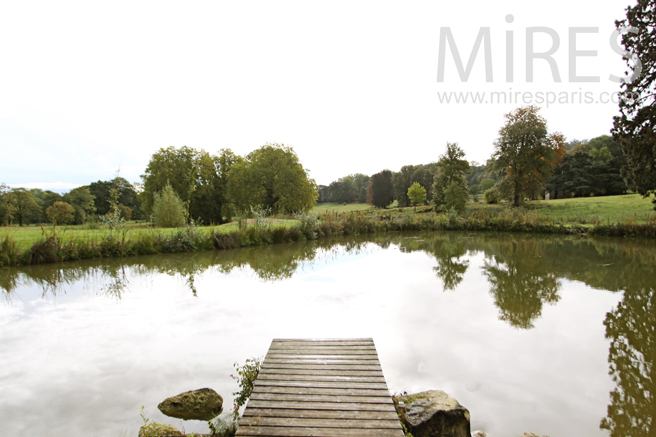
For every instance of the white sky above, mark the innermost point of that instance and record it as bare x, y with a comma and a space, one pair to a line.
88, 87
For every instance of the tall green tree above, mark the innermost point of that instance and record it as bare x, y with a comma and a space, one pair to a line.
379, 191
401, 181
273, 177
524, 153
82, 201
7, 207
26, 206
417, 194
61, 213
175, 166
127, 196
168, 209
635, 128
452, 167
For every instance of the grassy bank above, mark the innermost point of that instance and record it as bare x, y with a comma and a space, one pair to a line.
56, 245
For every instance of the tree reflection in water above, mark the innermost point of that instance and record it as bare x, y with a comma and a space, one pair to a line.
520, 281
631, 327
523, 271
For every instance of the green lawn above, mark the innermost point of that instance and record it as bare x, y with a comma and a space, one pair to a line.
608, 209
25, 236
338, 207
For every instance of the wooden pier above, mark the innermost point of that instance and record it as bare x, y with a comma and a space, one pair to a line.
321, 388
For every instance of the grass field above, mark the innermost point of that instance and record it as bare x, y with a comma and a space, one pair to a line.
339, 207
605, 210
585, 210
25, 236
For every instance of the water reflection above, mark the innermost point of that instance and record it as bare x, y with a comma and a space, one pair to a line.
522, 271
631, 327
523, 275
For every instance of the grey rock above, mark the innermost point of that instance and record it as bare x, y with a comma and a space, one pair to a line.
201, 404
159, 430
433, 414
479, 434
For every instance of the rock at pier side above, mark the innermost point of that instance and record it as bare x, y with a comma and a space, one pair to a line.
159, 429
433, 413
202, 404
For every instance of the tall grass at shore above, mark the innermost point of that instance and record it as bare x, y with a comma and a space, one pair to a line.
56, 246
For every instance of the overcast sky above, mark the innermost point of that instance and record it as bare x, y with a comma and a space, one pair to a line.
88, 87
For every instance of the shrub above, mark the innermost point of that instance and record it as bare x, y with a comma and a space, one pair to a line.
61, 212
168, 209
492, 196
455, 196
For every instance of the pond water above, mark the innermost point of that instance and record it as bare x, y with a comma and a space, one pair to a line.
550, 335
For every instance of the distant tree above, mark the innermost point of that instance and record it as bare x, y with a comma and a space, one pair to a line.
635, 128
209, 201
417, 194
455, 195
379, 191
401, 181
273, 177
424, 177
44, 198
524, 153
26, 207
177, 167
126, 212
580, 174
127, 195
168, 209
7, 207
61, 213
452, 168
82, 201
486, 184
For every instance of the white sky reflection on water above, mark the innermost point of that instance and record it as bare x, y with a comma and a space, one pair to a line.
85, 363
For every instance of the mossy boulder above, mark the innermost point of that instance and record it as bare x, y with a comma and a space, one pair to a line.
201, 404
159, 430
433, 414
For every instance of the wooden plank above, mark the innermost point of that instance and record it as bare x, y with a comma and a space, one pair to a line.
327, 378
322, 366
322, 384
316, 406
302, 422
323, 391
315, 361
323, 372
283, 397
316, 432
320, 414
351, 350
329, 388
322, 340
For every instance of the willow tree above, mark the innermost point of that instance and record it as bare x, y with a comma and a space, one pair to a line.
635, 128
272, 177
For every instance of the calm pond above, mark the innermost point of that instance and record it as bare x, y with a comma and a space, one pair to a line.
550, 335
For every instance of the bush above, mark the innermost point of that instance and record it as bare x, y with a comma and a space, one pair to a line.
61, 212
455, 196
492, 196
168, 209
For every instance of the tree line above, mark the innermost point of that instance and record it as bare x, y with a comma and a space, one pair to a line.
178, 185
528, 163
78, 206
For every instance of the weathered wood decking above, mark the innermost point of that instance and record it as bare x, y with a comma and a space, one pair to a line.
321, 388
